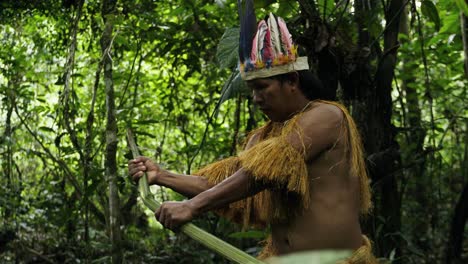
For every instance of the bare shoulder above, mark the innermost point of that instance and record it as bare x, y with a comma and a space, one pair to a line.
320, 128
322, 113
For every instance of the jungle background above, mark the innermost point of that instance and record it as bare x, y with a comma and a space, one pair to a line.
75, 74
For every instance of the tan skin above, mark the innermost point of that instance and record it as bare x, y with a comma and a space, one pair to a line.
332, 220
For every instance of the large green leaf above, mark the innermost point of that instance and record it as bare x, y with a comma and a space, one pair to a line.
451, 24
228, 46
463, 6
430, 11
325, 7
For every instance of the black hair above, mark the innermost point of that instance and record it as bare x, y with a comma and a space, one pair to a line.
310, 85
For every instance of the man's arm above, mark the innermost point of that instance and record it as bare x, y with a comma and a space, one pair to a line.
240, 185
320, 130
186, 185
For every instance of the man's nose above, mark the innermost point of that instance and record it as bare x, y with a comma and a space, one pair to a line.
256, 97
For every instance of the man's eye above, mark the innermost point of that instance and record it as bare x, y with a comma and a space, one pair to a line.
260, 87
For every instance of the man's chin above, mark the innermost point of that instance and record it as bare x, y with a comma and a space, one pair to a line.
271, 117
274, 118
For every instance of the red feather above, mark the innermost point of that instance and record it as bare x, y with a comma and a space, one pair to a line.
267, 52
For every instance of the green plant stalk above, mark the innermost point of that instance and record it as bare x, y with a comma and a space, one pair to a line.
225, 249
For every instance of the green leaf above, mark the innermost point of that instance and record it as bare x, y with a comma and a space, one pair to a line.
463, 6
227, 51
326, 7
430, 11
47, 129
249, 234
451, 24
147, 121
145, 134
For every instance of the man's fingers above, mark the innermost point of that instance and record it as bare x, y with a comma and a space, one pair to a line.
167, 222
137, 176
163, 217
135, 169
158, 214
140, 159
161, 214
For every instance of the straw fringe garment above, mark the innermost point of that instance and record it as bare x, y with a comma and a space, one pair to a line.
275, 162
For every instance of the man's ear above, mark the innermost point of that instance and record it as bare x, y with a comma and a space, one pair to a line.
293, 80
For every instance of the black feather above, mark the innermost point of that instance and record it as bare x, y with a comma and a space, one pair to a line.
248, 27
241, 30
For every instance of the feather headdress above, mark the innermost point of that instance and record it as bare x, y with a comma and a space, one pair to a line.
267, 49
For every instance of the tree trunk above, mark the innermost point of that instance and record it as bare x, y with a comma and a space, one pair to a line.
369, 98
371, 105
381, 137
13, 186
460, 217
111, 134
8, 158
418, 186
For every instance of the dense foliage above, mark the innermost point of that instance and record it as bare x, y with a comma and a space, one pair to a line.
70, 67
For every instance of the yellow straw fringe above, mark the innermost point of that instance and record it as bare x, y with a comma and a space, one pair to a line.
275, 162
268, 250
353, 145
362, 255
246, 211
218, 171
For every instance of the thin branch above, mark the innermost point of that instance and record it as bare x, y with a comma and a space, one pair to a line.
390, 22
341, 16
122, 98
310, 8
400, 99
67, 90
375, 160
237, 116
210, 119
452, 120
40, 255
62, 164
426, 75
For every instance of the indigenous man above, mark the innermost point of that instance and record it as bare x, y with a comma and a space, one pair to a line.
302, 173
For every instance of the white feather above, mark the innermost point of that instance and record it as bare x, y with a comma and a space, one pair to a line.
262, 27
275, 37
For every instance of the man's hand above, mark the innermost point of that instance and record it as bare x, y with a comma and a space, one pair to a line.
137, 167
172, 215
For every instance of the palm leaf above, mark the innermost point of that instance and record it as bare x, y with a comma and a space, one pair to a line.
227, 51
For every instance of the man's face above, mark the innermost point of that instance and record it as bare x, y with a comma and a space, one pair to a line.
273, 97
